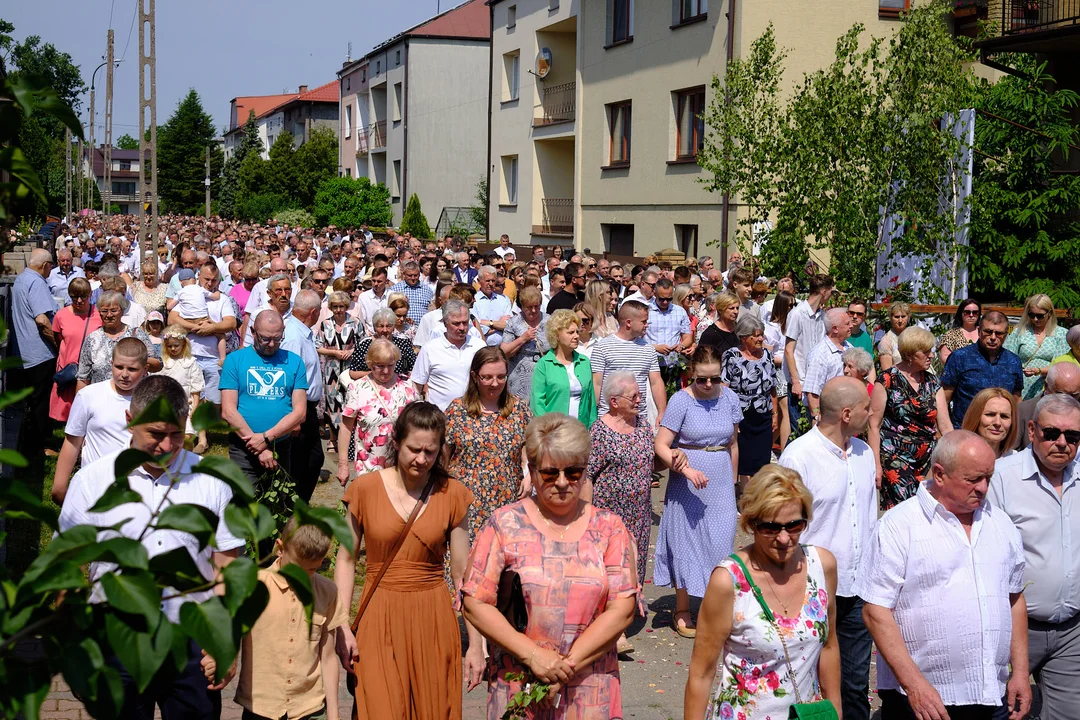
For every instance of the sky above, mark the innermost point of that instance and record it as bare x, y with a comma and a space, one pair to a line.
221, 48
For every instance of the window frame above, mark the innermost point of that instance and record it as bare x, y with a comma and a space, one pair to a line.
511, 17
680, 95
893, 13
613, 111
627, 25
701, 14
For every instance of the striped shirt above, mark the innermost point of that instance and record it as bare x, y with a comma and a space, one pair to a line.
613, 354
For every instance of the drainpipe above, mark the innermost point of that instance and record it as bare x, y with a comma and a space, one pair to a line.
725, 204
491, 80
404, 132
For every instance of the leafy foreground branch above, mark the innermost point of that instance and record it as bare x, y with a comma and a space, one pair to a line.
53, 620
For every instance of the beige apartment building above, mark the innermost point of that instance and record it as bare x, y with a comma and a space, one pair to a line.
601, 152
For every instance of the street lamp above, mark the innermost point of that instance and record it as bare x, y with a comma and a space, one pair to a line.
93, 81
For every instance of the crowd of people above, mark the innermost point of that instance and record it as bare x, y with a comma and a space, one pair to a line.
499, 425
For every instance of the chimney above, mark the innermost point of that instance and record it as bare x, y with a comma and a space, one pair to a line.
303, 89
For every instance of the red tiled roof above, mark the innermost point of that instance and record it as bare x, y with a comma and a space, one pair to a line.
469, 20
323, 93
261, 104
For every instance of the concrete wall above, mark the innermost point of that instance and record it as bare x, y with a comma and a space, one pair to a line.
385, 69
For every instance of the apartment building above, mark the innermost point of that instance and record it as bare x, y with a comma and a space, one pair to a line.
123, 188
413, 113
601, 152
296, 113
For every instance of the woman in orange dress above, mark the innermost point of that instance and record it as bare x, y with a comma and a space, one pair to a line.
407, 650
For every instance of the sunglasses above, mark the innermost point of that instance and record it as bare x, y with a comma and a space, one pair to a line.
573, 473
856, 313
772, 529
715, 380
1051, 434
994, 333
972, 313
662, 299
1036, 316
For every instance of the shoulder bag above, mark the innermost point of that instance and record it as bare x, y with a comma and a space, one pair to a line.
820, 710
67, 375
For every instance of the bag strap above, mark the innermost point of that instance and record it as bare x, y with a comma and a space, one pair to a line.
393, 552
86, 326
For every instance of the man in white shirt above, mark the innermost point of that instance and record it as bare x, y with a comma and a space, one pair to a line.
180, 485
97, 423
61, 276
259, 294
504, 247
374, 299
943, 583
825, 361
805, 328
838, 470
441, 372
492, 309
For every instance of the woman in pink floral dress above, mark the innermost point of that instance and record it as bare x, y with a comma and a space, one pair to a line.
776, 658
371, 407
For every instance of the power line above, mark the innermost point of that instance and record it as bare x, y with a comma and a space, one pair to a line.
111, 4
130, 28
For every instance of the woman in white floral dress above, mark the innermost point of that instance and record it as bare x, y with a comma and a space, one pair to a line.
771, 660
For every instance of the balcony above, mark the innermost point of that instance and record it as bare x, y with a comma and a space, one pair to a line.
557, 217
377, 135
361, 144
1037, 26
559, 104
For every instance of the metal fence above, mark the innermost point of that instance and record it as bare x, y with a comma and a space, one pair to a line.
1023, 16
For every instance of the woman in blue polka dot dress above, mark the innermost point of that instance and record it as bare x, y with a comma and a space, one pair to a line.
697, 440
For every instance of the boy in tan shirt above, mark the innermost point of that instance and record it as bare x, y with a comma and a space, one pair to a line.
288, 669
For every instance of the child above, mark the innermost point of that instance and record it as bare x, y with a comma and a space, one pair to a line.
178, 363
154, 325
288, 668
190, 304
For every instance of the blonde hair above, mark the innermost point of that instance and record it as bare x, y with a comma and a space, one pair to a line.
558, 437
338, 297
307, 542
174, 332
383, 350
529, 294
978, 405
722, 301
560, 320
769, 490
1041, 302
913, 340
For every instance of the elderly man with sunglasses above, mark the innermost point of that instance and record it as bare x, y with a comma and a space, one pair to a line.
1062, 378
1037, 487
985, 364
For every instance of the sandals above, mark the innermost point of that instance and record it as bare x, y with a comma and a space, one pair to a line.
687, 632
200, 448
623, 647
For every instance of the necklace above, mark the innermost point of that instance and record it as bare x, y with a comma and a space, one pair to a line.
554, 527
775, 592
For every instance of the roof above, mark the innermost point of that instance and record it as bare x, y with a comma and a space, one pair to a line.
98, 159
469, 21
264, 105
323, 93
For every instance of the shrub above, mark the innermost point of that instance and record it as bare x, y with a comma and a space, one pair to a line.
413, 221
296, 218
352, 202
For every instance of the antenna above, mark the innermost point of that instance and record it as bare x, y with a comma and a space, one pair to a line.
348, 55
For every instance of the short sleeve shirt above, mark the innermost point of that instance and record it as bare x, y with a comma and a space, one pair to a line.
264, 385
636, 356
968, 371
30, 297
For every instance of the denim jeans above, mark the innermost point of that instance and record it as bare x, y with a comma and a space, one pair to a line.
855, 645
179, 695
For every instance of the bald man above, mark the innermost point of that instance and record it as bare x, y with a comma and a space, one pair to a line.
300, 339
839, 471
32, 309
1062, 377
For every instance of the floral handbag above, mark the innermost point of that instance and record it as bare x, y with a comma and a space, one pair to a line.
820, 710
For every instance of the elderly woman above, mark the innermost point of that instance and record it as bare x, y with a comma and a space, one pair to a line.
888, 349
95, 359
525, 341
1072, 337
859, 364
406, 653
992, 415
383, 321
698, 440
403, 325
1038, 339
148, 291
485, 435
770, 609
372, 405
71, 325
749, 371
578, 580
908, 413
620, 466
721, 333
334, 342
965, 329
562, 381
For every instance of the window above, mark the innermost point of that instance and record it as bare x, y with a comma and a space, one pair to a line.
619, 134
123, 188
125, 166
692, 9
509, 190
511, 75
396, 190
348, 84
511, 17
363, 74
620, 21
686, 239
618, 238
348, 120
378, 67
397, 58
689, 122
397, 102
348, 172
892, 8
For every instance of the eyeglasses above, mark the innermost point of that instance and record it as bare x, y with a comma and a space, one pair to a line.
317, 281
856, 313
267, 339
993, 333
1051, 434
971, 313
650, 284
632, 399
772, 529
573, 473
714, 380
662, 299
1036, 316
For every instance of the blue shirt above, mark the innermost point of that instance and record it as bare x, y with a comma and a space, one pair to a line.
418, 295
30, 297
263, 385
298, 338
96, 257
968, 371
491, 308
667, 328
58, 283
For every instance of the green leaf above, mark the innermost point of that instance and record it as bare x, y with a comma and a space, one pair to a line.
117, 494
139, 651
20, 503
248, 613
194, 519
206, 418
158, 411
253, 523
13, 458
241, 576
130, 459
229, 473
60, 575
134, 592
176, 569
300, 583
327, 520
125, 552
209, 625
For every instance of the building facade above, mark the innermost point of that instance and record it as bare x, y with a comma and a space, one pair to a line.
123, 189
297, 113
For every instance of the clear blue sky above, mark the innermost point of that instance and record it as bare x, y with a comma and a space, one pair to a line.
221, 48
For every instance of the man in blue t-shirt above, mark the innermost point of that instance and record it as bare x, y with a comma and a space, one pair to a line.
263, 396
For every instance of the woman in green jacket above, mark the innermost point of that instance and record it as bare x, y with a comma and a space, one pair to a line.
562, 380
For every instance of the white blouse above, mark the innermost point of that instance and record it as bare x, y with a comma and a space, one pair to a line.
575, 391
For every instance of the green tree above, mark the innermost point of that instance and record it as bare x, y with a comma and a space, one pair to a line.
478, 212
352, 202
126, 142
181, 156
230, 173
281, 172
315, 161
413, 221
1025, 232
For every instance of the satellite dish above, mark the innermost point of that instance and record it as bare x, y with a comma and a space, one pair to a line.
543, 63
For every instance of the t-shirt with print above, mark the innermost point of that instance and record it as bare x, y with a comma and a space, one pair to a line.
264, 385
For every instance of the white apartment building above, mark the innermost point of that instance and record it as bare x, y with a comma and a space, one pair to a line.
413, 112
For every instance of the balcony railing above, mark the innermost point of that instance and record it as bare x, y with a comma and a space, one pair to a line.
558, 105
361, 144
377, 134
557, 217
1024, 16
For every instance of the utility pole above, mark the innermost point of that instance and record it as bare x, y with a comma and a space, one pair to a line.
106, 196
148, 147
207, 181
79, 179
67, 176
